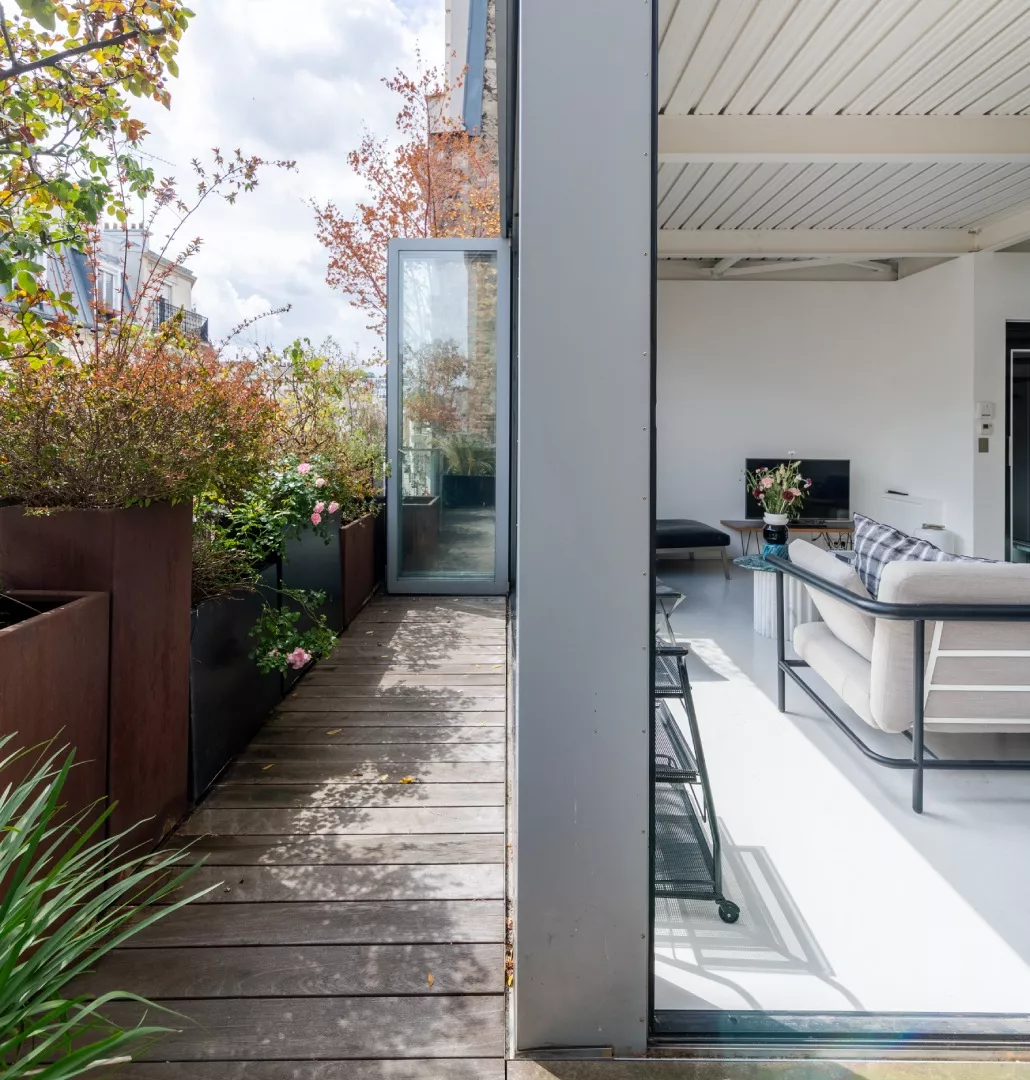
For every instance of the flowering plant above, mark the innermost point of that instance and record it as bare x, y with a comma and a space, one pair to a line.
281, 643
781, 490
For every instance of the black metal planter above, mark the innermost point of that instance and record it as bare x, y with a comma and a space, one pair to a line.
312, 562
229, 697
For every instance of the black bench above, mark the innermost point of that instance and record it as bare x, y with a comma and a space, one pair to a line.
674, 536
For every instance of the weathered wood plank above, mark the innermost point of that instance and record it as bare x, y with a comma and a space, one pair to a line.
341, 795
369, 665
373, 821
382, 754
405, 694
336, 1028
459, 718
286, 734
314, 772
293, 884
304, 971
390, 679
361, 922
336, 703
439, 1069
340, 850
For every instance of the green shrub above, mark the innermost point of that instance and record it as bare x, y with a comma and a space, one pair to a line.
68, 897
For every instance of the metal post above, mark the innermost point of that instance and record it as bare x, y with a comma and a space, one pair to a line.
781, 654
725, 563
919, 662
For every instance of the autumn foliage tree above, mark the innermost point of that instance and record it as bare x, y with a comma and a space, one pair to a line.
439, 180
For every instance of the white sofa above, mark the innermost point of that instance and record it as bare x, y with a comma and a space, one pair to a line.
977, 675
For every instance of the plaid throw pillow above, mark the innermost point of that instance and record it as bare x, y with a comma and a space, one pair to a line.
877, 545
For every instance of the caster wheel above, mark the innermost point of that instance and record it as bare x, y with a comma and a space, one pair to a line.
729, 912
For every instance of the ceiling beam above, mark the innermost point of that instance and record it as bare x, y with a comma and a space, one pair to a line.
845, 244
1010, 230
947, 139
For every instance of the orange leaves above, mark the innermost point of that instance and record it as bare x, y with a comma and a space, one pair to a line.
440, 181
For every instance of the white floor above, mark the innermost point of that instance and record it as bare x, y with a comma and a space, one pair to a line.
850, 901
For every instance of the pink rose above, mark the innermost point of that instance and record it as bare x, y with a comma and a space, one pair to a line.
333, 507
320, 482
316, 519
767, 482
298, 658
304, 468
808, 483
795, 492
319, 507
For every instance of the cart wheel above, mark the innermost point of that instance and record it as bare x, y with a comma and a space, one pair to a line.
728, 911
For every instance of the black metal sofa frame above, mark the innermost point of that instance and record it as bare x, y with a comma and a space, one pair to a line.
919, 615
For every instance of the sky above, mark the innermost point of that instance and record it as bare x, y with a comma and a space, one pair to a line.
261, 76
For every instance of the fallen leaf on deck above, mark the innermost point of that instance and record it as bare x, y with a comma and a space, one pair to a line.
429, 979
384, 777
265, 768
334, 731
408, 780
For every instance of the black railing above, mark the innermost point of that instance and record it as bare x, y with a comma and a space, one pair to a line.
192, 323
919, 615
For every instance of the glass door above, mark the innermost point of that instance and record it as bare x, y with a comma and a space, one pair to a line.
447, 387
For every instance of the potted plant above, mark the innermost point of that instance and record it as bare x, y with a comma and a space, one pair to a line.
106, 440
781, 494
330, 415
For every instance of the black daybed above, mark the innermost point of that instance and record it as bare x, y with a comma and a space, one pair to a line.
677, 536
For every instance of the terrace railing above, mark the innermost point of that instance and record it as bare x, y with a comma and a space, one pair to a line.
193, 323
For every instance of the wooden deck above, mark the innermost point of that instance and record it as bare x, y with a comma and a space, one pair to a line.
359, 919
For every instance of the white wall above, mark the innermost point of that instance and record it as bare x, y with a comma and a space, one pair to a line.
878, 372
1002, 292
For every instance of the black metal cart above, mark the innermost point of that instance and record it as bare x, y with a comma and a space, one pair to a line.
687, 848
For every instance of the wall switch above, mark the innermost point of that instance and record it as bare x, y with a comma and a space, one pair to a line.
984, 446
985, 410
985, 427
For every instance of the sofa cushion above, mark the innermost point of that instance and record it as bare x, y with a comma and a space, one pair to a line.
673, 533
876, 545
851, 626
846, 673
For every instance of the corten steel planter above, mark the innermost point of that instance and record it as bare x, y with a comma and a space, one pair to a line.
142, 557
357, 552
53, 685
229, 697
379, 540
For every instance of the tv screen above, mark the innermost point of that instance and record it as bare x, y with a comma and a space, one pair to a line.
829, 497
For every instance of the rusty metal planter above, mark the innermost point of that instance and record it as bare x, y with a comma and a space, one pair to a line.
53, 685
357, 554
142, 557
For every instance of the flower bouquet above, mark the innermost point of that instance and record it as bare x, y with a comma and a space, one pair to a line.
781, 493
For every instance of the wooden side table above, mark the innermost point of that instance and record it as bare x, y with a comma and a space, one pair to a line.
837, 534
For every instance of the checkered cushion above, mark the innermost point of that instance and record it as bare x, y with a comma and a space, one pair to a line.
877, 545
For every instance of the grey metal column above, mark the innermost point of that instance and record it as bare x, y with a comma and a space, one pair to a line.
584, 519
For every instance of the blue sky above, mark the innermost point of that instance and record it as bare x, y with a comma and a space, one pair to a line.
256, 75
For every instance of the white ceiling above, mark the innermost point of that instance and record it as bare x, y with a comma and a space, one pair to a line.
948, 156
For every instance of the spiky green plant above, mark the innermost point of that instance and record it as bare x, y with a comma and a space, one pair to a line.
68, 895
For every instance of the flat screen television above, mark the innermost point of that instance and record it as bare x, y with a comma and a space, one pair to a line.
829, 497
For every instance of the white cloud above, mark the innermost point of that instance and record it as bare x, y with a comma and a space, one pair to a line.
258, 75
